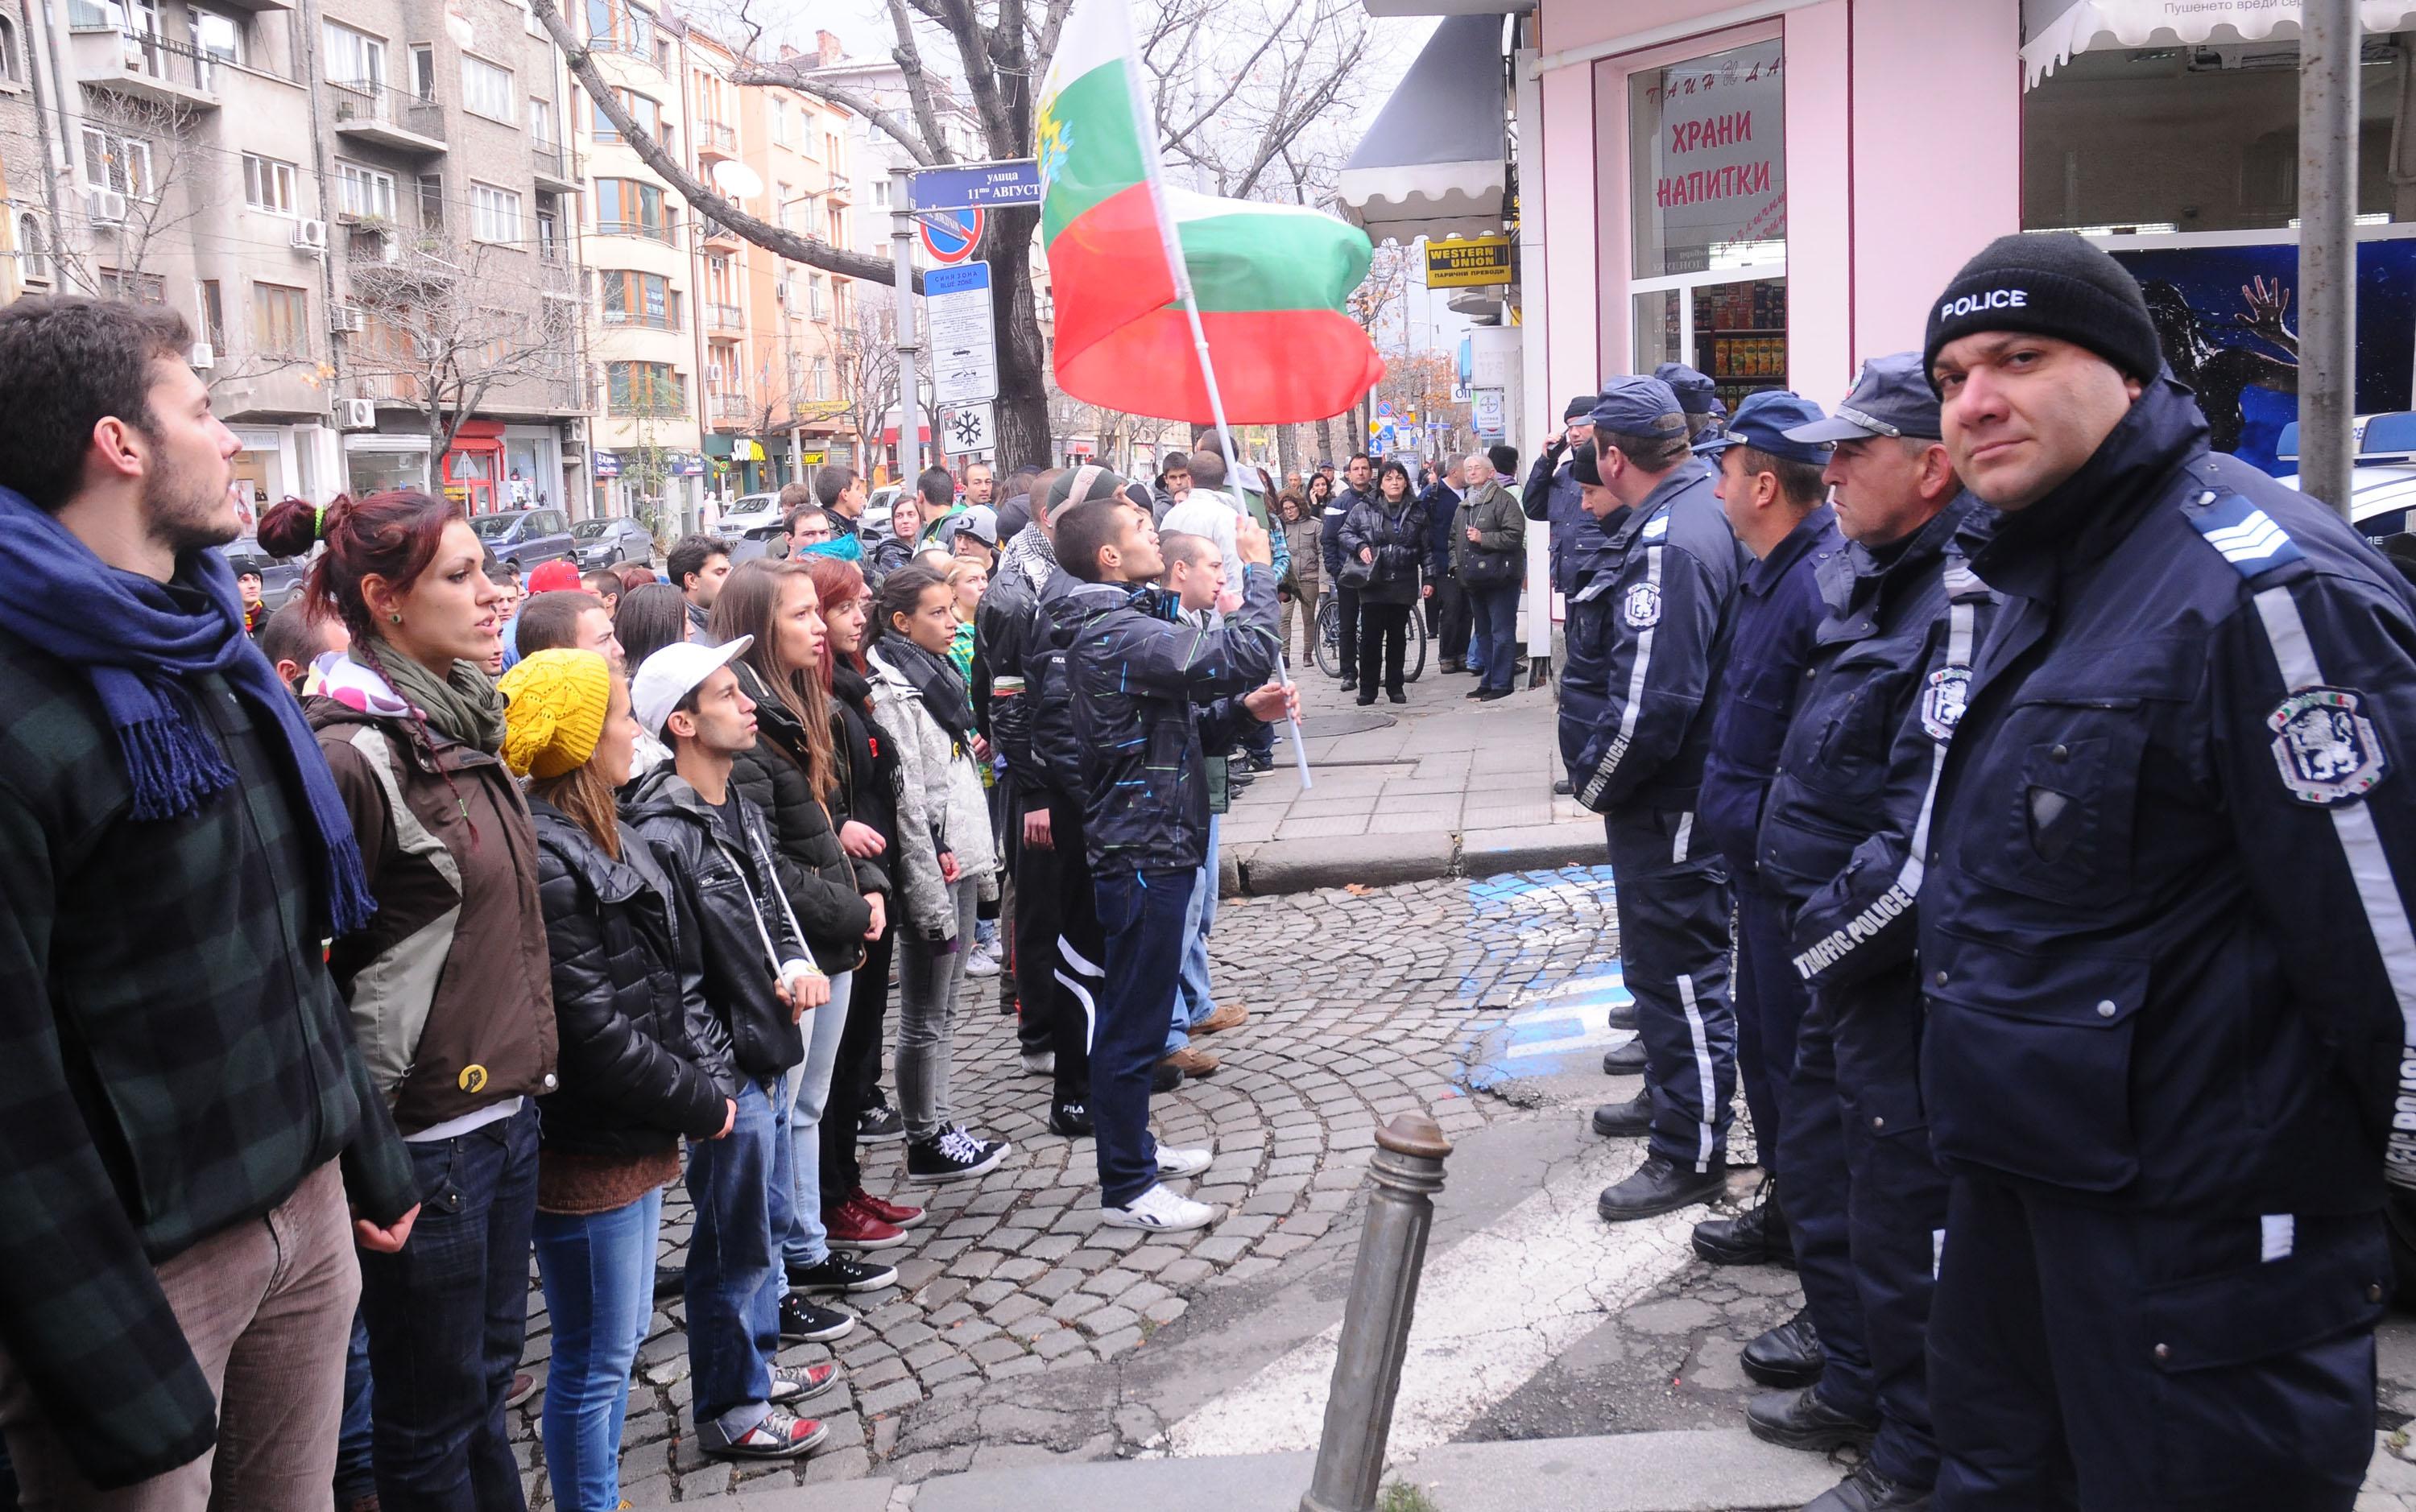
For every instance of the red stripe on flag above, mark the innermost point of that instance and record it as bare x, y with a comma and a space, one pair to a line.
1107, 269
1273, 367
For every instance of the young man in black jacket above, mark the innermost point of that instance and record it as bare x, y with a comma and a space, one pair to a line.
1135, 675
760, 978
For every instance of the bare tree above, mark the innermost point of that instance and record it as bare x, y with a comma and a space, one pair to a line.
448, 322
146, 155
1247, 89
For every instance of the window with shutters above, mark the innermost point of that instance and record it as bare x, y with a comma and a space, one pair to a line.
280, 321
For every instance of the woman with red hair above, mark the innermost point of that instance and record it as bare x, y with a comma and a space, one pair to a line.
450, 984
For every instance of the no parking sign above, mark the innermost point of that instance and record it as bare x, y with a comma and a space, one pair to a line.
949, 237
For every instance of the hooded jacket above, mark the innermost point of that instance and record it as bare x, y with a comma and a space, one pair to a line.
820, 880
1003, 630
1645, 628
735, 926
2164, 927
450, 985
643, 1060
940, 806
1136, 675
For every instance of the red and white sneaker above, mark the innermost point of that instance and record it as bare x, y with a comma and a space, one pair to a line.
799, 1386
781, 1435
896, 1214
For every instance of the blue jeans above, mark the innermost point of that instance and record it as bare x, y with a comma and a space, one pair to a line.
355, 1476
1195, 998
739, 1184
598, 1274
1141, 914
446, 1318
806, 1241
1494, 644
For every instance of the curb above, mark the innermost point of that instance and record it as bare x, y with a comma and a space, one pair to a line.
1281, 866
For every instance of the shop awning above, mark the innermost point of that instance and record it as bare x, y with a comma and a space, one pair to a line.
2054, 30
1432, 165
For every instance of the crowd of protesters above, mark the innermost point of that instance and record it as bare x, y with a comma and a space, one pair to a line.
364, 951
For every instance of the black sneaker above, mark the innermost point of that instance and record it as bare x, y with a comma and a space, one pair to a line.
953, 1155
1262, 763
1072, 1119
802, 1323
838, 1273
671, 1283
879, 1126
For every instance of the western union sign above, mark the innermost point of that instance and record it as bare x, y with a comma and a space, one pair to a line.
1467, 263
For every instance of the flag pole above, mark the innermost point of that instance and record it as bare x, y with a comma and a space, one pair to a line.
1145, 130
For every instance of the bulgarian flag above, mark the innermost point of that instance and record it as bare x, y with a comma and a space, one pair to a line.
1270, 279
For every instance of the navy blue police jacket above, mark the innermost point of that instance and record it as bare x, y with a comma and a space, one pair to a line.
2164, 929
1552, 495
1843, 831
1147, 691
1756, 686
1649, 620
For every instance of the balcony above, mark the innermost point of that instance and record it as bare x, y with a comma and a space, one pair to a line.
615, 47
715, 140
550, 162
140, 65
395, 264
556, 277
654, 320
386, 388
714, 234
652, 231
385, 116
729, 409
839, 190
724, 318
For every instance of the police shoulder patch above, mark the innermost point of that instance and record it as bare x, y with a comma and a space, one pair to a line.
2326, 751
2248, 537
1642, 606
1657, 527
1943, 699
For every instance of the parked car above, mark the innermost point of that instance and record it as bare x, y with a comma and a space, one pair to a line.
526, 537
2382, 484
606, 543
281, 577
749, 511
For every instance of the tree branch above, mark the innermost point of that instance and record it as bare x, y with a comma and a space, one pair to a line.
797, 74
810, 250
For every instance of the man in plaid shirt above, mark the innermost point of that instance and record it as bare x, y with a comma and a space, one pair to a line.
184, 1121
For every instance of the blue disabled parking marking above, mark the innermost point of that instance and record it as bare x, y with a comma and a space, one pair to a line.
1529, 1017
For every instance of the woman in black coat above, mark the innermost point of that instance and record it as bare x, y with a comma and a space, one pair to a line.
1384, 544
642, 1060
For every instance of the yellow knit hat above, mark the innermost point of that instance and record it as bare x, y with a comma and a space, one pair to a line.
555, 713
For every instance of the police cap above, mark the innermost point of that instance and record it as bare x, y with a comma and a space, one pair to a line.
1766, 421
1892, 398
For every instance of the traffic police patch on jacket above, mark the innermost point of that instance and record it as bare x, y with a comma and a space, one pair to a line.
2325, 749
1643, 607
1943, 699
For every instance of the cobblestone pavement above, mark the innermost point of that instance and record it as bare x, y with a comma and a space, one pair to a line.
1020, 1330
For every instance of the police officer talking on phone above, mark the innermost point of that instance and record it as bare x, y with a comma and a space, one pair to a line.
2164, 934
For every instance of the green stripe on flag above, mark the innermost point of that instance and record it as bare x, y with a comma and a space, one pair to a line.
1087, 146
1272, 260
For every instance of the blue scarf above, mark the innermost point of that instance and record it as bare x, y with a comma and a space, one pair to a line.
139, 644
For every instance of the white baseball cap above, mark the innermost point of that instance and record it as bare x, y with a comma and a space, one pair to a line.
671, 673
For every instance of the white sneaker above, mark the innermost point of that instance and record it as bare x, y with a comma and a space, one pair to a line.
981, 963
1162, 1210
1176, 1162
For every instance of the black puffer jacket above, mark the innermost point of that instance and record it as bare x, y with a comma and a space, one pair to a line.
821, 881
1403, 546
642, 1060
884, 557
732, 921
868, 786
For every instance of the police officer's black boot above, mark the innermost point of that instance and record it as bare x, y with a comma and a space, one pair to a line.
1620, 1016
1661, 1185
1787, 1355
1757, 1236
1626, 1061
1868, 1490
1615, 1121
1799, 1419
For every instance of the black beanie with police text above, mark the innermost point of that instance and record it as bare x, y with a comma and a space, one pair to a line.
2049, 283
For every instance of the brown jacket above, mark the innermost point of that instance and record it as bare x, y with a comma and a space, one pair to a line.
451, 987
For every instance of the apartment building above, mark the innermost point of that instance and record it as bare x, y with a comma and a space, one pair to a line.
298, 184
648, 458
774, 347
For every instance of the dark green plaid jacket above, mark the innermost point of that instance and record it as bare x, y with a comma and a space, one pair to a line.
176, 1057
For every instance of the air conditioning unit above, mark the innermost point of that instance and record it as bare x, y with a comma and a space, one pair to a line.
104, 207
310, 236
202, 357
344, 320
355, 414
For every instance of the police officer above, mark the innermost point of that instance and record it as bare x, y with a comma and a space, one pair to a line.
1550, 494
2164, 934
1656, 583
1770, 486
1697, 397
1854, 780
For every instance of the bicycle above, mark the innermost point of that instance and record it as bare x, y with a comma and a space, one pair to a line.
1328, 641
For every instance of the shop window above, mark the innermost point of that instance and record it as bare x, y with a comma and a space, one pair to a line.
1707, 162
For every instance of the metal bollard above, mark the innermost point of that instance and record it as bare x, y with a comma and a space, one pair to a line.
1408, 1168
